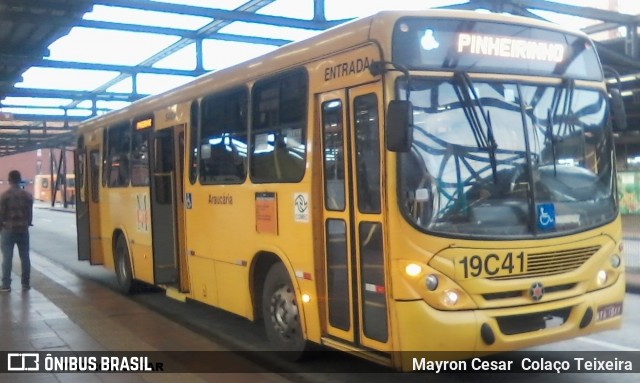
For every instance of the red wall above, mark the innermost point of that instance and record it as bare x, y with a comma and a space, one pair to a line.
31, 163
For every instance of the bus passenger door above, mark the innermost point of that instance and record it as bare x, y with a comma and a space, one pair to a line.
82, 203
166, 207
356, 311
88, 220
87, 223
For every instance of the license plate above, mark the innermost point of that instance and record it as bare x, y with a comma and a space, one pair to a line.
490, 265
609, 311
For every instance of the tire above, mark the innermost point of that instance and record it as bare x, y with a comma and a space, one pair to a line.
281, 314
123, 266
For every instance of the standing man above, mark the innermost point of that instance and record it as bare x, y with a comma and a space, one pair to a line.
16, 214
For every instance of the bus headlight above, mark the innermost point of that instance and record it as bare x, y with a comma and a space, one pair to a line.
416, 280
413, 270
450, 297
601, 278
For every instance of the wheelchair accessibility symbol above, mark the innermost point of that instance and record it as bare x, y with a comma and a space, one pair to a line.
546, 216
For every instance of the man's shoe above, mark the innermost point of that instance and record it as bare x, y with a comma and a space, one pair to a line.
5, 289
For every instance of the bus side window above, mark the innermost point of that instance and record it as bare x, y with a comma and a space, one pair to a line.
193, 141
119, 142
140, 159
223, 145
333, 158
279, 129
368, 153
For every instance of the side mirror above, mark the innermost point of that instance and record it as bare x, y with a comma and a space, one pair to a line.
618, 109
399, 126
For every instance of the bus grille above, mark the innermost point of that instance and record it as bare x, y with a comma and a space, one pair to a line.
520, 293
519, 324
554, 262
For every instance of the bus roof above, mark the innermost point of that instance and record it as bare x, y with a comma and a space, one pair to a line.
353, 33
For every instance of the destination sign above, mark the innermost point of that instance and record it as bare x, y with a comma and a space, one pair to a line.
144, 124
484, 46
500, 46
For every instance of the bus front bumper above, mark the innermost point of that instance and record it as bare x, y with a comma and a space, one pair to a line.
470, 333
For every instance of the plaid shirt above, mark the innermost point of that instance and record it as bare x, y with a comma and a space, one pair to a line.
16, 209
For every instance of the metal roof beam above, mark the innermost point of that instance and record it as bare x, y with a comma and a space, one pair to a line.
620, 59
32, 128
76, 94
34, 140
213, 27
221, 14
602, 27
24, 138
46, 63
575, 10
319, 10
544, 5
49, 5
185, 33
60, 107
495, 6
42, 117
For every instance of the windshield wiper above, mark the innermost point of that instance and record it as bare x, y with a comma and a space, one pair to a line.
469, 98
569, 85
552, 139
493, 146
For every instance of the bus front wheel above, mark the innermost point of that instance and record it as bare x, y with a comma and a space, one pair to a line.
281, 314
123, 266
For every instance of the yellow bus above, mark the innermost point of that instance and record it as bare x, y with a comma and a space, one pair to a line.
425, 181
44, 184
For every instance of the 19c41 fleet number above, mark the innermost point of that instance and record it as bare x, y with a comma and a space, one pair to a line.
490, 265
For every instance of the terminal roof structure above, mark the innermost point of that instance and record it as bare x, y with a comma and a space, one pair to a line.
128, 49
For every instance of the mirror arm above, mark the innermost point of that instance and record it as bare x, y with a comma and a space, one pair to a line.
377, 68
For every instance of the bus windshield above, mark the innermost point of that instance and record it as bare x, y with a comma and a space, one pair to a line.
506, 159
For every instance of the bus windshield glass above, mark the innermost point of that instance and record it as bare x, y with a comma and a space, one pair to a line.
506, 159
490, 47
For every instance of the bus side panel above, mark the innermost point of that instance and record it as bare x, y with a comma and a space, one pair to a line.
142, 265
105, 240
139, 232
130, 216
220, 235
203, 284
222, 228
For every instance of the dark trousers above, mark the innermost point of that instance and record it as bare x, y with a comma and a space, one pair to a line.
8, 241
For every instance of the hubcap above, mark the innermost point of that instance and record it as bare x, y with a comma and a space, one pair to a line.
284, 312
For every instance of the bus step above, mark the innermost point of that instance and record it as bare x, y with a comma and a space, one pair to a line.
174, 293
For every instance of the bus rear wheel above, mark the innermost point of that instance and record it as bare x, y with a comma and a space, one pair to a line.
281, 314
123, 266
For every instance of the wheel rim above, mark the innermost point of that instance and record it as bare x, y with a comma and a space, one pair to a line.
284, 312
